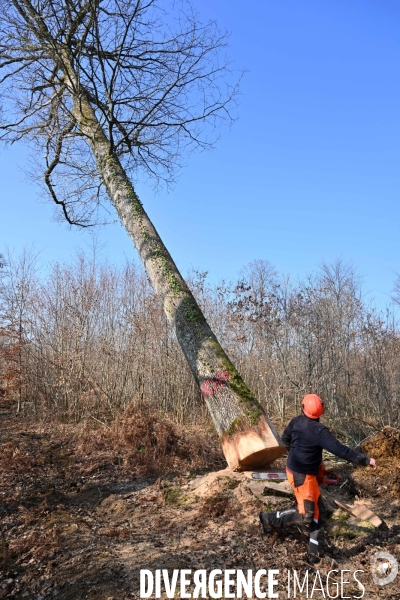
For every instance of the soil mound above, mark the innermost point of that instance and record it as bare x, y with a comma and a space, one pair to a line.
384, 444
384, 481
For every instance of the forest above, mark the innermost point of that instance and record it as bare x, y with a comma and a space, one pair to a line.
86, 339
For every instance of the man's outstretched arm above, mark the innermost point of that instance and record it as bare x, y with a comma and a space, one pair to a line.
328, 441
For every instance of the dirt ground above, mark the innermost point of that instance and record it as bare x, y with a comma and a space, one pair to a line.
78, 522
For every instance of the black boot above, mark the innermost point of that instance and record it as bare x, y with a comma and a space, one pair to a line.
316, 544
266, 523
313, 559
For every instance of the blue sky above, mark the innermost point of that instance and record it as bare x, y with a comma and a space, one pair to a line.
309, 172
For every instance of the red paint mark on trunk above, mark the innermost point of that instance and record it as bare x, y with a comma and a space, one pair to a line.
210, 386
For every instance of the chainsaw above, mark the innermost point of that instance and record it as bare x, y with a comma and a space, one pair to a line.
325, 478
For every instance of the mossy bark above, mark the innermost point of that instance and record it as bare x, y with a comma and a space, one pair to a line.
232, 405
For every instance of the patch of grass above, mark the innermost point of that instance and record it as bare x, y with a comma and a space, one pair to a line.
174, 496
366, 525
227, 483
344, 532
340, 516
341, 525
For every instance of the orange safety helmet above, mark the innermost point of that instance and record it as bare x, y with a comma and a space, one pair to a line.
312, 406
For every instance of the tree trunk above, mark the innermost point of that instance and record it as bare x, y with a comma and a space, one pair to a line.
249, 440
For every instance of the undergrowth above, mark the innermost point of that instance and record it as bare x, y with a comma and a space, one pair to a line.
144, 442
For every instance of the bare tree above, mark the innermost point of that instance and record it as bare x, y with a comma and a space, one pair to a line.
16, 296
107, 87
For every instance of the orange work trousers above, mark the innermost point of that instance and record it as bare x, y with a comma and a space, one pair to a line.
306, 491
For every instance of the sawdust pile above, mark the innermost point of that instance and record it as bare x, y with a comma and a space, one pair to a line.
384, 446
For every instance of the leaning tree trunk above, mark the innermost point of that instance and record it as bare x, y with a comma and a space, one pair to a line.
249, 440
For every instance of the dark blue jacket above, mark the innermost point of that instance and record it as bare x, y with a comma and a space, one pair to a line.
305, 438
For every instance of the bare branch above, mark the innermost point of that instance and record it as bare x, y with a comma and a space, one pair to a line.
159, 86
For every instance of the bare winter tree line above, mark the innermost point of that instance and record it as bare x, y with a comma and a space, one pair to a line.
89, 339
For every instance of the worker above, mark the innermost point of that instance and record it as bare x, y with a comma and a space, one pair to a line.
305, 438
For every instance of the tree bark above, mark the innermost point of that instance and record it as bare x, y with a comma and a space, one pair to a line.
248, 437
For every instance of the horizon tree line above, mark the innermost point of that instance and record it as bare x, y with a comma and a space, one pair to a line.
89, 339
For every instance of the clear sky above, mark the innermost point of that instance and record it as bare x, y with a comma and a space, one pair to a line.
309, 172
